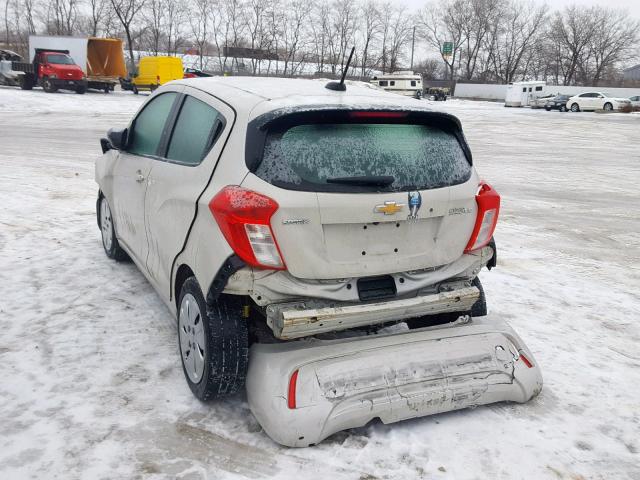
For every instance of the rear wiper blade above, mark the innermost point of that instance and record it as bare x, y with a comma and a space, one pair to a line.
364, 180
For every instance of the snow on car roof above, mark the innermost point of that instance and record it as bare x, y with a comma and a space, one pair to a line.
265, 94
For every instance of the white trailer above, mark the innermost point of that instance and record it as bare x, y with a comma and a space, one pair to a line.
404, 82
522, 94
101, 59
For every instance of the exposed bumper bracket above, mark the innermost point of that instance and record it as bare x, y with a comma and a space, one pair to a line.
299, 319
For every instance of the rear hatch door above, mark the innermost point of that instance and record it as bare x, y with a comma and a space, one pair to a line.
367, 195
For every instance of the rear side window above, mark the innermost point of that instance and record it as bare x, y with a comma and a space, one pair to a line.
420, 157
194, 132
148, 127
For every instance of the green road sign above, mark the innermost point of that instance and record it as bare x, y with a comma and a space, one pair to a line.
447, 48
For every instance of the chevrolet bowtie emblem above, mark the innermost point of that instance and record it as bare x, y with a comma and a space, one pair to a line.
389, 208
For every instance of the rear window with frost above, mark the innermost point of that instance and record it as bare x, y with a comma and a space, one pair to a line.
418, 157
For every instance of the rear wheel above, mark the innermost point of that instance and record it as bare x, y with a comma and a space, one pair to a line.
575, 107
48, 85
134, 89
563, 108
213, 340
81, 90
548, 109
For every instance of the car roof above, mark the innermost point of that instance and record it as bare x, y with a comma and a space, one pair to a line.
257, 95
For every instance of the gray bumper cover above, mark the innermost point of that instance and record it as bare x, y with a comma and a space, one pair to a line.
346, 383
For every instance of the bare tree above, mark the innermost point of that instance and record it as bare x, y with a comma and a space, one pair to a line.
127, 11
99, 16
430, 68
200, 27
476, 17
320, 25
62, 16
512, 38
614, 36
174, 24
153, 15
574, 28
293, 35
440, 23
256, 18
369, 30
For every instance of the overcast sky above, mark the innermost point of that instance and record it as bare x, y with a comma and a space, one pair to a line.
633, 6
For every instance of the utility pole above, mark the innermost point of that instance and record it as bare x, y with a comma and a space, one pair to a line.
413, 43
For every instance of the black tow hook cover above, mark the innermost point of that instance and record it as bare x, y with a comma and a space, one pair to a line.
376, 288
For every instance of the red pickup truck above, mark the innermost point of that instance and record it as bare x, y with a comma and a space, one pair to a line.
53, 70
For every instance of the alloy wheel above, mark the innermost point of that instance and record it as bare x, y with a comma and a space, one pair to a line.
192, 338
106, 224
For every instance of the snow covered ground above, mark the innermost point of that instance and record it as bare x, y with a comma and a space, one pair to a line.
91, 380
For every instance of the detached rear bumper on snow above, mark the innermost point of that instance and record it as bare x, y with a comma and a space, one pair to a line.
295, 320
346, 383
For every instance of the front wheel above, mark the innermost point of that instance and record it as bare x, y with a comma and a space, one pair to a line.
109, 241
49, 86
575, 107
608, 107
81, 90
214, 342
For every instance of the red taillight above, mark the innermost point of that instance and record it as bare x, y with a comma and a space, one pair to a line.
291, 394
488, 202
365, 115
244, 218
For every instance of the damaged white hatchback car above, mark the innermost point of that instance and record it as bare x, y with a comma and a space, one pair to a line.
269, 210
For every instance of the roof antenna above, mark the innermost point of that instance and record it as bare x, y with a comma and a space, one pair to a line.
340, 86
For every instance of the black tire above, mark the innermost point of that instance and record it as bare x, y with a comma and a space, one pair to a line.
548, 109
26, 82
134, 89
563, 108
81, 90
575, 107
226, 349
107, 89
48, 86
608, 107
479, 309
112, 249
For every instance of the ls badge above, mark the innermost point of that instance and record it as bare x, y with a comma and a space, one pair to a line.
415, 202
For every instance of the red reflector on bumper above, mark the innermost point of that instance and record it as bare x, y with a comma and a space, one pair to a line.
291, 396
525, 360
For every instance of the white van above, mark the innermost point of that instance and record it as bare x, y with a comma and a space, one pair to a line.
404, 82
